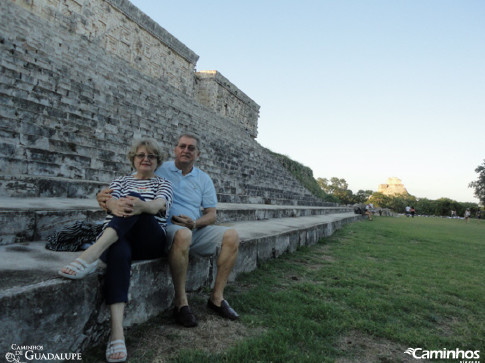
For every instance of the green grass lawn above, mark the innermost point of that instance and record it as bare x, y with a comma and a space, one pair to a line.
366, 294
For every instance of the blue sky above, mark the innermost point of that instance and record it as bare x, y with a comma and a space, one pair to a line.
360, 90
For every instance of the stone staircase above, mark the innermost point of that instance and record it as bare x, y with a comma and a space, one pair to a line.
40, 308
67, 121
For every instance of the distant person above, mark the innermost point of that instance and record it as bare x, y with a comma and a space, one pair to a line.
467, 215
380, 212
408, 210
453, 213
413, 211
368, 212
479, 214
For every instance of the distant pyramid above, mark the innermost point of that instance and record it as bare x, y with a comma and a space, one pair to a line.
393, 187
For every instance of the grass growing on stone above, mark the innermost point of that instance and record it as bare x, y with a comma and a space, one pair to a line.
366, 294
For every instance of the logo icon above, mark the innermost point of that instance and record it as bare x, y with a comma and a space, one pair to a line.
10, 357
410, 351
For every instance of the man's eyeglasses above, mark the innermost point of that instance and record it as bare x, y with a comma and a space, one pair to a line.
142, 156
191, 148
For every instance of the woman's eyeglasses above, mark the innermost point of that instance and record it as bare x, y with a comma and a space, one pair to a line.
142, 156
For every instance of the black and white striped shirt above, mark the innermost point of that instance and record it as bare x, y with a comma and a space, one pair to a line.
150, 189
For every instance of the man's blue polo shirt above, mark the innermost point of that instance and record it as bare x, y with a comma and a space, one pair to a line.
190, 192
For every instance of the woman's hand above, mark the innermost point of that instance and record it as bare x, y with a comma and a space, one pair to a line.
122, 207
133, 206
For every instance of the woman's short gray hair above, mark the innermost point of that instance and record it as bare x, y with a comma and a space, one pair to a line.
151, 146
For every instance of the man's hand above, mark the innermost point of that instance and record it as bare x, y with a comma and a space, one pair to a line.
183, 221
103, 196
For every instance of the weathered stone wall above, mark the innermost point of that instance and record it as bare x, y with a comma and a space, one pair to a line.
122, 30
216, 92
78, 83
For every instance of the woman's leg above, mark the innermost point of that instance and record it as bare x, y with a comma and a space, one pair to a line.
117, 314
108, 237
117, 273
140, 240
90, 255
144, 239
116, 226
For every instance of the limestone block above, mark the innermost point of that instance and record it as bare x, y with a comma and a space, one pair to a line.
16, 226
311, 237
151, 291
48, 309
199, 273
49, 222
294, 242
302, 238
282, 244
247, 258
266, 248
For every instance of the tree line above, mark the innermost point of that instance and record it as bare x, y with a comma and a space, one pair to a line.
338, 188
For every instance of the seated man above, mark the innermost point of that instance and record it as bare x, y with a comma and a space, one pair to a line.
189, 229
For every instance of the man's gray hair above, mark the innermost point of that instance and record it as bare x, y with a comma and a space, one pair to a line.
190, 136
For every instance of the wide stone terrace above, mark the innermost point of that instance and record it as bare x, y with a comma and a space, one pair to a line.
40, 308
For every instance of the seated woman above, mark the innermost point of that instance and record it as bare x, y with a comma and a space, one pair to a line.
135, 229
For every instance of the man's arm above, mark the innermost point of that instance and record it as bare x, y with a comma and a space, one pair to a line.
209, 216
103, 196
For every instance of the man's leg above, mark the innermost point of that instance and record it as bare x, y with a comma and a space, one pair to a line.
225, 263
178, 259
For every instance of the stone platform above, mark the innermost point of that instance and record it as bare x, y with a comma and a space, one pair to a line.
40, 308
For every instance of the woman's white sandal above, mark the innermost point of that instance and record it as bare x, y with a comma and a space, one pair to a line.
116, 346
80, 267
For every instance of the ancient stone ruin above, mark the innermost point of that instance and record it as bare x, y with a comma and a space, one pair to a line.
393, 187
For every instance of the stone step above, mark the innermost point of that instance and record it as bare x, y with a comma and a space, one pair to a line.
14, 186
30, 219
25, 186
41, 309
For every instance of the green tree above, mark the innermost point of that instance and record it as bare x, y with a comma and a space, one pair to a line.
426, 206
362, 196
380, 200
338, 187
479, 184
332, 185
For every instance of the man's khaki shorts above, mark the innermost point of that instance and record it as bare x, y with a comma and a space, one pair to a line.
205, 241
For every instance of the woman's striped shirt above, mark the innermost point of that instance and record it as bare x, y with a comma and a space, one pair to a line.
149, 189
